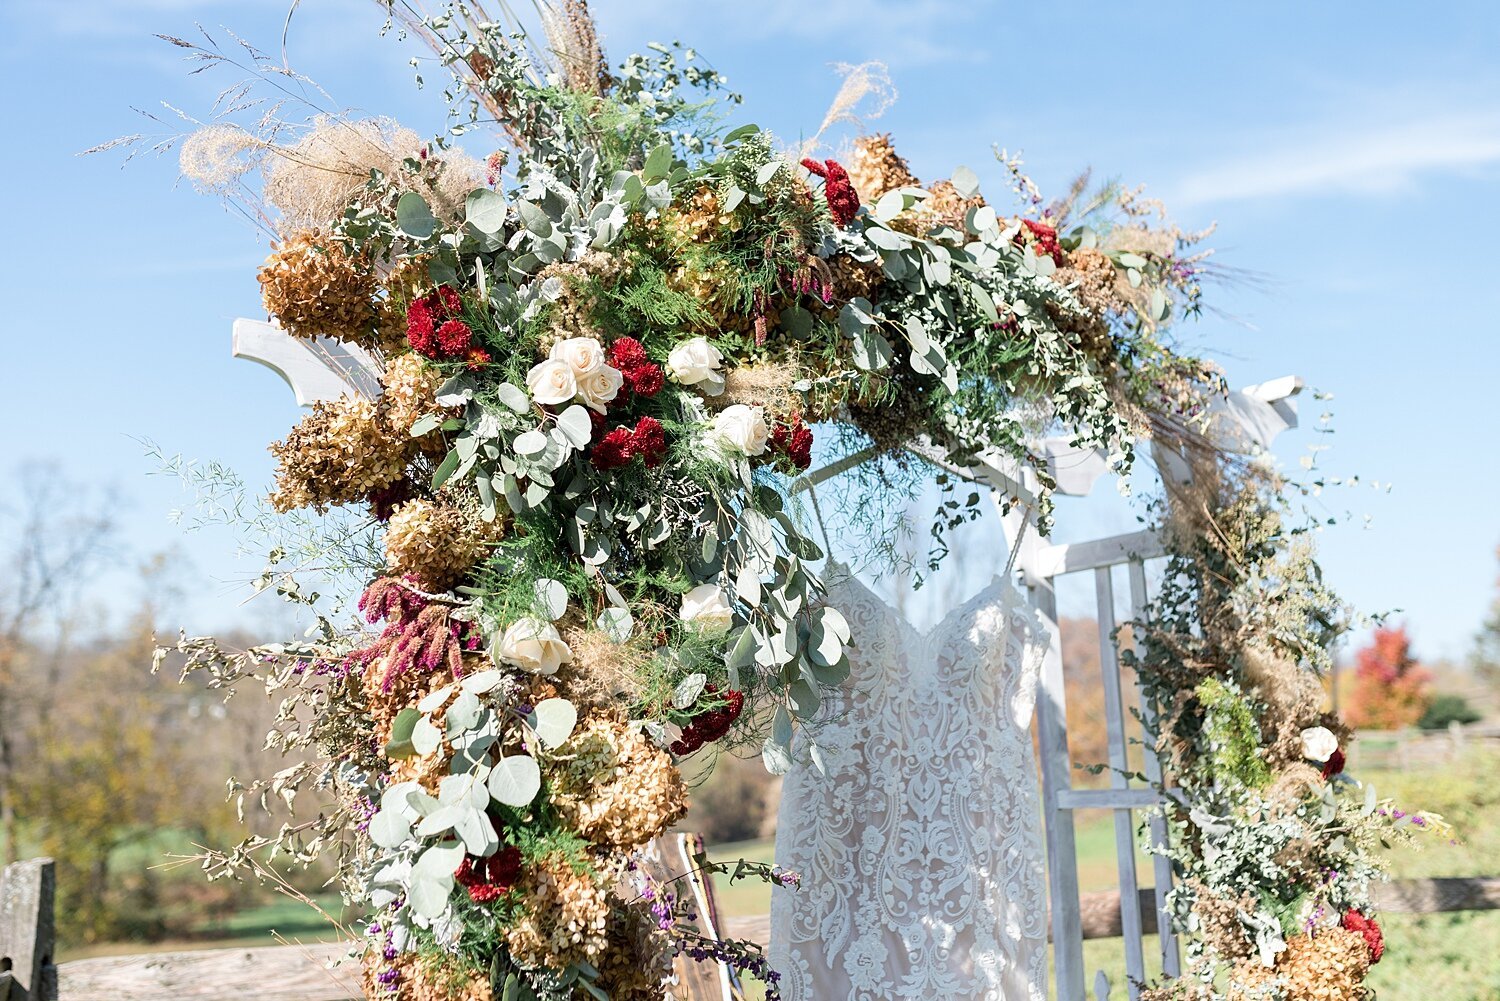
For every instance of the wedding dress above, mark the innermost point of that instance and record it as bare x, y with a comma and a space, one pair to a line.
919, 850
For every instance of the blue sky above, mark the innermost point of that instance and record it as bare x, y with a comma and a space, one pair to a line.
1349, 152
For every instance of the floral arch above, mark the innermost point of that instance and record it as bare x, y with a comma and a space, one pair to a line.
584, 375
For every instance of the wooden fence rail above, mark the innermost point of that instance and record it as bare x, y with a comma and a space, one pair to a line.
311, 973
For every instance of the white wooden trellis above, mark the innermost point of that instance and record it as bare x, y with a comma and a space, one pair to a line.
1245, 421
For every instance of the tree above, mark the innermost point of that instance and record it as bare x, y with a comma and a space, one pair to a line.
1485, 657
1391, 690
56, 534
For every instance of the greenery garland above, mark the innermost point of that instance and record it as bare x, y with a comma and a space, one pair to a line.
601, 353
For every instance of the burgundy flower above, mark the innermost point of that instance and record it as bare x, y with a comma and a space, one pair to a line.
614, 450
434, 330
1334, 765
843, 200
490, 878
641, 374
649, 441
454, 338
795, 441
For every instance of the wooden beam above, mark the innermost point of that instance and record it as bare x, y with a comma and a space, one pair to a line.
27, 936
1053, 561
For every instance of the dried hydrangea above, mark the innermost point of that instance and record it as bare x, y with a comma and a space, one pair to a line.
339, 453
438, 542
410, 393
1327, 966
566, 919
616, 787
875, 167
639, 958
314, 288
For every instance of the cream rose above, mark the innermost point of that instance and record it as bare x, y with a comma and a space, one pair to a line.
706, 607
551, 382
599, 387
533, 645
696, 362
583, 355
1318, 743
744, 427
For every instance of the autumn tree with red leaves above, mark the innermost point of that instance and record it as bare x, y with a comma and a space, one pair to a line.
1391, 690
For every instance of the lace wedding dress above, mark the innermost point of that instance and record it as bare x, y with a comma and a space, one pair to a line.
919, 850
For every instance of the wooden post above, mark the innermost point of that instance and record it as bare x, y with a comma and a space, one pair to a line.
27, 937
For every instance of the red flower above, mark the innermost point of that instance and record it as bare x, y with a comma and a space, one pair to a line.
489, 878
1044, 236
795, 440
641, 374
649, 441
1356, 922
1334, 765
843, 200
454, 338
477, 358
710, 725
627, 352
614, 450
433, 328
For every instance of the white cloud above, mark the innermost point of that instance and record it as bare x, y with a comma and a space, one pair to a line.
1384, 158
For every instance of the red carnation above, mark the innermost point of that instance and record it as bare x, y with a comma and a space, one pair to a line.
433, 328
843, 200
627, 352
454, 338
1366, 926
1334, 765
646, 379
649, 441
795, 441
1044, 236
641, 374
615, 449
489, 878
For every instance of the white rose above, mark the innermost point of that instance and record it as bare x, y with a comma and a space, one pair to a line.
696, 362
551, 382
599, 387
583, 355
706, 606
1318, 743
743, 427
533, 645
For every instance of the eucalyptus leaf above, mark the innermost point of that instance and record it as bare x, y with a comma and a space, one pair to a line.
576, 424
414, 217
617, 623
554, 720
688, 690
514, 397
965, 182
516, 780
551, 598
425, 737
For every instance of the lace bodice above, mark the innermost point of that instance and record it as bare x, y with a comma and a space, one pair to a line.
919, 850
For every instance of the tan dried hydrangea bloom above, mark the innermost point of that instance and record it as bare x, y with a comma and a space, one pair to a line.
438, 542
875, 167
423, 980
566, 920
638, 959
570, 315
315, 289
1328, 966
614, 786
1222, 929
411, 386
338, 454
